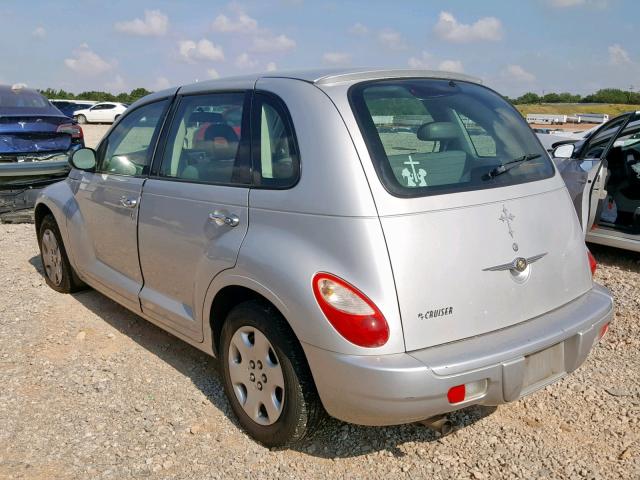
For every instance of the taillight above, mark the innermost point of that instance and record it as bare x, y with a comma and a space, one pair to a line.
351, 313
74, 130
592, 263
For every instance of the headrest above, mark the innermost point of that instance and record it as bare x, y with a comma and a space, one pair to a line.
206, 117
220, 130
437, 131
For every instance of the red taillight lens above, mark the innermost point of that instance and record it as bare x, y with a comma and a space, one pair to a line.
351, 313
592, 263
456, 394
74, 130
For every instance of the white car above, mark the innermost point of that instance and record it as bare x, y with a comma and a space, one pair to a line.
103, 112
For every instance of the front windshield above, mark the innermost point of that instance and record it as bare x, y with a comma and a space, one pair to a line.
429, 136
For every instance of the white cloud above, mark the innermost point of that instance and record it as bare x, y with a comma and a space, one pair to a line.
486, 28
578, 3
391, 39
203, 49
272, 67
451, 66
272, 43
358, 29
155, 24
618, 55
161, 84
86, 62
423, 61
336, 58
242, 24
213, 73
245, 61
518, 74
39, 32
565, 3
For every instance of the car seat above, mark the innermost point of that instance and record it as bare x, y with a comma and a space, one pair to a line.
432, 168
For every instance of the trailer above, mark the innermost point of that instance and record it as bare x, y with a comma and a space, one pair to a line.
546, 118
592, 117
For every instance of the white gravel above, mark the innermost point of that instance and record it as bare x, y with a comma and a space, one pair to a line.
90, 390
93, 133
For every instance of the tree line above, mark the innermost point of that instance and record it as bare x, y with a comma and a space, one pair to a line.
605, 95
97, 96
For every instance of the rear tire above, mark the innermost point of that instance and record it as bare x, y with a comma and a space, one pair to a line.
271, 390
58, 272
81, 119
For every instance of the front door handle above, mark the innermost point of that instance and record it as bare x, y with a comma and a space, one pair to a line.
230, 220
128, 202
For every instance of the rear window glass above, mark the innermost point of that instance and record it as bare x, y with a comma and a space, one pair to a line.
12, 100
428, 136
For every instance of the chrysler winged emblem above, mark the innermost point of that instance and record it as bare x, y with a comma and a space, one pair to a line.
518, 265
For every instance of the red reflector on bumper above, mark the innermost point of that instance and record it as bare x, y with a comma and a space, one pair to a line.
456, 394
603, 330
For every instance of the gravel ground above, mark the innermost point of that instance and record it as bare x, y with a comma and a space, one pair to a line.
90, 390
93, 133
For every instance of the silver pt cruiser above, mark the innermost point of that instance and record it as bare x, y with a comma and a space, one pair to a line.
384, 246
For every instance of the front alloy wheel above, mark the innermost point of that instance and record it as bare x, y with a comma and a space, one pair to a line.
51, 257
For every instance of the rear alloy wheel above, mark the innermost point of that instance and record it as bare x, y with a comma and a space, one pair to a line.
81, 119
266, 376
58, 272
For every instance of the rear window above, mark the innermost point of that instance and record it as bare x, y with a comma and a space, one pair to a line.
22, 99
428, 136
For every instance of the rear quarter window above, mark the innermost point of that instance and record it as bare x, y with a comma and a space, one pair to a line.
431, 136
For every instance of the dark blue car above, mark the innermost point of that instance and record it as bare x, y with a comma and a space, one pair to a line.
36, 140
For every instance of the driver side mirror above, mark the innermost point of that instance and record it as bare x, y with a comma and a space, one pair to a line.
83, 159
564, 151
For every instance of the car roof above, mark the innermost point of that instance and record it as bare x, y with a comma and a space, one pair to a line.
324, 76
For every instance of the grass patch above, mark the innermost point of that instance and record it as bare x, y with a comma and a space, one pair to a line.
612, 109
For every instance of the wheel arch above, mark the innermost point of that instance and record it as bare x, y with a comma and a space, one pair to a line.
226, 293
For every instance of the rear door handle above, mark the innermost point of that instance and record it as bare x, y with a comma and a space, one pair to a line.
219, 218
128, 202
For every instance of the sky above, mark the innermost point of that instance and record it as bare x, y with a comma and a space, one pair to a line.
513, 46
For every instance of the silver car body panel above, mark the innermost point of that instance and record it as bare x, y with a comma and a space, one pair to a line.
403, 388
614, 238
339, 218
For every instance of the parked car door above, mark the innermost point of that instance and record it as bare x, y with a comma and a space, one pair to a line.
108, 203
585, 171
194, 209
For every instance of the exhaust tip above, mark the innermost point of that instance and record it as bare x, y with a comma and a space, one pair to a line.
440, 424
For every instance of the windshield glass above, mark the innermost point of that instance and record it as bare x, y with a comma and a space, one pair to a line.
428, 136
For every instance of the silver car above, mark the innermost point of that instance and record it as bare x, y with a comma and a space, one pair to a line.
381, 246
602, 173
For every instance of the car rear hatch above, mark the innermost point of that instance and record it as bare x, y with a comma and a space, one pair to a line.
480, 230
456, 270
26, 134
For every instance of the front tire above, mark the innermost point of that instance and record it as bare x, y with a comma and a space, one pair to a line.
266, 376
58, 272
81, 119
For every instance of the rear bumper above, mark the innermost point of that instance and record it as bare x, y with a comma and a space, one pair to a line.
407, 387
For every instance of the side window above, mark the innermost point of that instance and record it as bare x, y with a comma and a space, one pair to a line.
597, 144
108, 107
205, 142
128, 148
483, 143
275, 151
